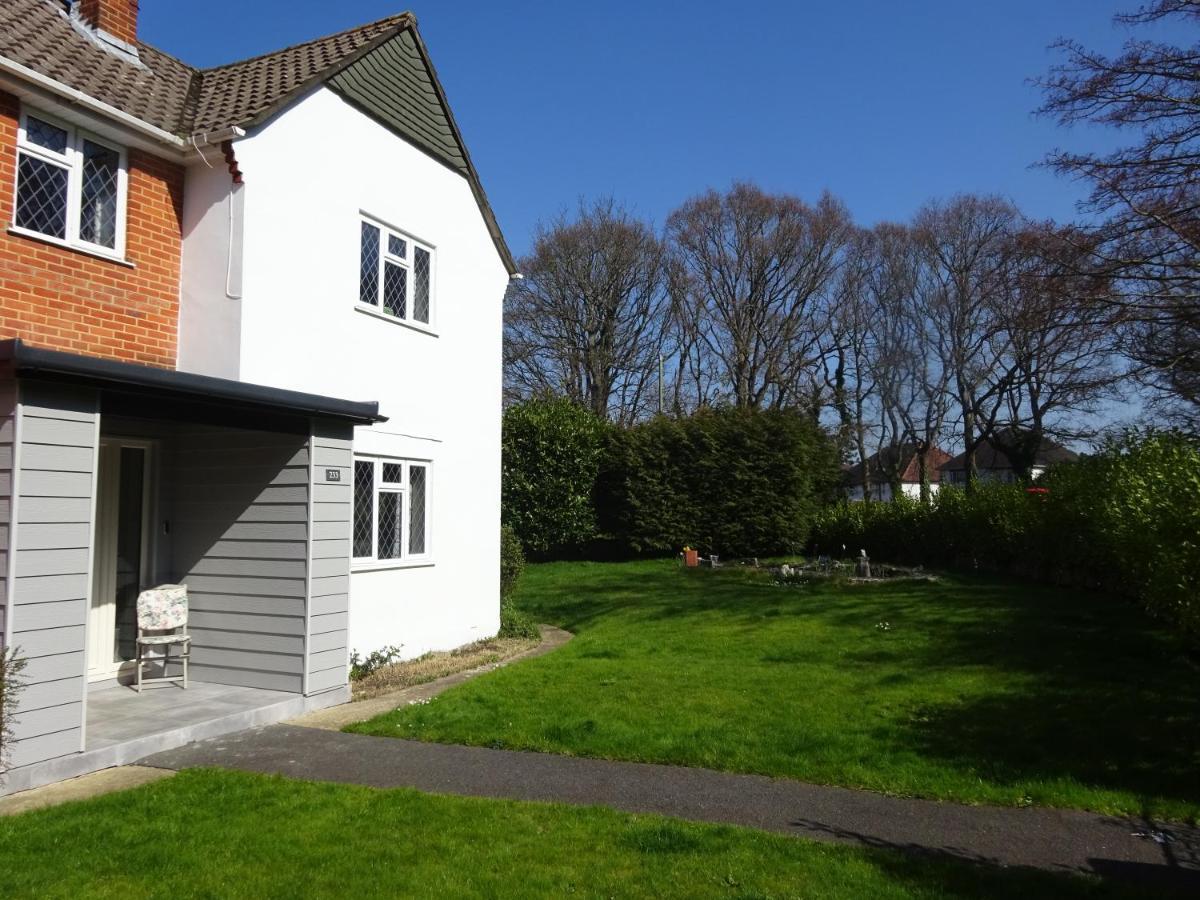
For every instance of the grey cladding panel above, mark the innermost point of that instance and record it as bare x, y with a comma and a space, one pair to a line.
326, 640
47, 746
56, 453
48, 641
239, 504
36, 430
327, 679
48, 720
50, 693
271, 681
328, 605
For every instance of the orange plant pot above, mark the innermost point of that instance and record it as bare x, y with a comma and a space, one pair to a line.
691, 558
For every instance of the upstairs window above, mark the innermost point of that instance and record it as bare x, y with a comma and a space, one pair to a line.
391, 510
395, 274
70, 186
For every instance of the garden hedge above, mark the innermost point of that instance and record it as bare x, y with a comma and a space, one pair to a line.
733, 482
1125, 520
726, 481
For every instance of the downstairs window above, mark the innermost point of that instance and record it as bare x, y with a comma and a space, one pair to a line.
391, 510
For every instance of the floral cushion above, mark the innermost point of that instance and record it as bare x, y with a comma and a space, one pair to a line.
162, 607
156, 639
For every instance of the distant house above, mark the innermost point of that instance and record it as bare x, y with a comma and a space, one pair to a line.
854, 481
993, 465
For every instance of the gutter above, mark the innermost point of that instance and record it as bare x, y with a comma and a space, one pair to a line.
173, 384
76, 97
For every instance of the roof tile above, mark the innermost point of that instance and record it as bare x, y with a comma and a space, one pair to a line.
162, 90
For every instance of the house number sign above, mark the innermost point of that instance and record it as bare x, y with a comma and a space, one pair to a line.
333, 474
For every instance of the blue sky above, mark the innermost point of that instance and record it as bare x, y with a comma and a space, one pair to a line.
884, 103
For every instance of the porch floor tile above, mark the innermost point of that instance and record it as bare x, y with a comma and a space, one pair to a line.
119, 714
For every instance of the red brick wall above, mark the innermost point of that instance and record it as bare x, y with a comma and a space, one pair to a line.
117, 17
66, 300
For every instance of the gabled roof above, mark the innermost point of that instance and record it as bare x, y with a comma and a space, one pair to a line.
910, 471
989, 457
382, 68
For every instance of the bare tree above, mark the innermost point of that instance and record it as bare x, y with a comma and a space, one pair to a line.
847, 348
964, 247
1059, 345
590, 316
908, 335
1148, 190
751, 271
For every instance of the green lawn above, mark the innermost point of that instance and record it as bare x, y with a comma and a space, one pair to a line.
973, 691
207, 833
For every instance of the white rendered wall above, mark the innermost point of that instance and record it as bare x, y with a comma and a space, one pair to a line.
309, 172
209, 320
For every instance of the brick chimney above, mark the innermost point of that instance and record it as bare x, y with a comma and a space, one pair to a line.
115, 17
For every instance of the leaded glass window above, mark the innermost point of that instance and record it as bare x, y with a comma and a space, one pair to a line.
396, 274
416, 509
395, 289
42, 196
70, 187
368, 269
391, 511
47, 136
421, 284
98, 202
364, 512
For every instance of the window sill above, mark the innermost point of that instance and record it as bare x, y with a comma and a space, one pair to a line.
376, 314
67, 245
388, 564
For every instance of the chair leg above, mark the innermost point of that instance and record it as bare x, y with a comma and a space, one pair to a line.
138, 664
187, 651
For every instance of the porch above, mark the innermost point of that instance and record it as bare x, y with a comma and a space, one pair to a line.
124, 726
125, 477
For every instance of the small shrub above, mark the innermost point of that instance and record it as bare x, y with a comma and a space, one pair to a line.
10, 685
516, 623
362, 666
512, 561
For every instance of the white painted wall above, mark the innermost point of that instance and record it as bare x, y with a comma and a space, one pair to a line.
209, 319
309, 172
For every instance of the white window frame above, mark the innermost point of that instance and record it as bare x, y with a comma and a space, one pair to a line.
379, 486
406, 263
72, 161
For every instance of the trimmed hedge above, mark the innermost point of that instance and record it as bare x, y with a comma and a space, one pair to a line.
1126, 520
551, 453
733, 482
729, 481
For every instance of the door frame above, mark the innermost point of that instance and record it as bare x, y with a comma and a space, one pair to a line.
117, 668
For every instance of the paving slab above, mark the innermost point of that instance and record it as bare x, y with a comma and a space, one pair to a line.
1059, 840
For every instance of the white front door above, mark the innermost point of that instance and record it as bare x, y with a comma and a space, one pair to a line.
121, 563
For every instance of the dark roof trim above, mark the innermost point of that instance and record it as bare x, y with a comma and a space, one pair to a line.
472, 175
37, 361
